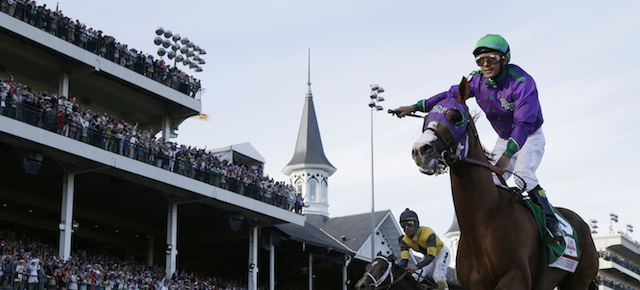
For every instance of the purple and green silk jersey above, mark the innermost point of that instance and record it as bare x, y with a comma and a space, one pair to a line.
510, 103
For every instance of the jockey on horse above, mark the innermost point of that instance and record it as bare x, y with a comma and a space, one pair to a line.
509, 98
423, 240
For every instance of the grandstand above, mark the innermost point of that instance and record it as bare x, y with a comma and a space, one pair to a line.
92, 185
93, 188
101, 193
619, 262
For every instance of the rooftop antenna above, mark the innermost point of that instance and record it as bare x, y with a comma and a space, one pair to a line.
309, 68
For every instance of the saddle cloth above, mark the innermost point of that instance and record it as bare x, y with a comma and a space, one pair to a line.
563, 254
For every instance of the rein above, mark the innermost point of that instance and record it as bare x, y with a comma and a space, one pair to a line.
495, 169
377, 283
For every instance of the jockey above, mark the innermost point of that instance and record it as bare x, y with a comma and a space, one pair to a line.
423, 240
509, 98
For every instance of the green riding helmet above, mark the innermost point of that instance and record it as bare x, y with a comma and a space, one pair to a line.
492, 42
409, 215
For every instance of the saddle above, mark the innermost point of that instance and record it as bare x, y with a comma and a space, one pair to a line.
564, 253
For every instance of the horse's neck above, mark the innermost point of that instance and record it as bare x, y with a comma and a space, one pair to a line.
474, 193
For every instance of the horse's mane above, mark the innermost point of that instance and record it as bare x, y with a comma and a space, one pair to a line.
474, 117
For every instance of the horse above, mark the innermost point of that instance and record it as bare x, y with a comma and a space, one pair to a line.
383, 273
500, 246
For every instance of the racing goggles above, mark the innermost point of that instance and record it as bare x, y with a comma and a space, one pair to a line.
405, 224
491, 59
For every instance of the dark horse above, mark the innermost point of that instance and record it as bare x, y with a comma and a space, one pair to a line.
499, 247
383, 273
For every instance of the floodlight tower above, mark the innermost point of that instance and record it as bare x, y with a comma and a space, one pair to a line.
375, 98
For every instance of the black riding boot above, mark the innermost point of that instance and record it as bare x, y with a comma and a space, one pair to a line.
538, 196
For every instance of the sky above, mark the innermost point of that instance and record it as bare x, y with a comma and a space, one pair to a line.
582, 55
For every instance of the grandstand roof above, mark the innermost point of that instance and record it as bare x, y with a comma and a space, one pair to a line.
351, 229
454, 226
346, 234
314, 236
244, 153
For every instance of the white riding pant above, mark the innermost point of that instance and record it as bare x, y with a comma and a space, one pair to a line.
437, 268
525, 162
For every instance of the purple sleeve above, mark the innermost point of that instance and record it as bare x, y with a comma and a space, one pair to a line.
527, 111
427, 104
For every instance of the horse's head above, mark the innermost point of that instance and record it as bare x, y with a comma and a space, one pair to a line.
376, 273
444, 127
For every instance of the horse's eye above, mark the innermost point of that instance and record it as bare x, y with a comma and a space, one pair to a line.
455, 117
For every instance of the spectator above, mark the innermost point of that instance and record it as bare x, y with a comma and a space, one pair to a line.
20, 272
76, 32
67, 118
32, 269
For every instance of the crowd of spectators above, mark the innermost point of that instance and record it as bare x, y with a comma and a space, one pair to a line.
66, 117
95, 41
29, 263
610, 256
613, 284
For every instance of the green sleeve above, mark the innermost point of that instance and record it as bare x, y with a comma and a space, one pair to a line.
419, 106
512, 148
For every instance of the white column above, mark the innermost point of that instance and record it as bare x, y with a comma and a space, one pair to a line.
150, 242
272, 264
344, 274
63, 85
310, 271
66, 215
172, 238
166, 126
253, 258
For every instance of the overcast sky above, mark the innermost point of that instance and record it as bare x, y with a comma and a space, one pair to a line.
583, 56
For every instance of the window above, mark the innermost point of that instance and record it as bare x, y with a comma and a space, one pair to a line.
323, 193
312, 190
299, 187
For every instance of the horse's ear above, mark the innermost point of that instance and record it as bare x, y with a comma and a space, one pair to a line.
379, 253
392, 257
463, 91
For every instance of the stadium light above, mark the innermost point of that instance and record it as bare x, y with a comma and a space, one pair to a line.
31, 162
612, 218
373, 104
236, 220
629, 229
179, 49
594, 226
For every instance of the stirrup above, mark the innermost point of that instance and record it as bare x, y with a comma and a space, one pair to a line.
554, 232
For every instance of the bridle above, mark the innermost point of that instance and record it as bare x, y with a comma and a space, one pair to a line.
449, 156
378, 283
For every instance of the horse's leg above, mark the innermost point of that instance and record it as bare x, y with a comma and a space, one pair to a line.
554, 276
514, 280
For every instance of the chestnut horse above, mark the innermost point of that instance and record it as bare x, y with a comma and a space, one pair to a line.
383, 273
500, 246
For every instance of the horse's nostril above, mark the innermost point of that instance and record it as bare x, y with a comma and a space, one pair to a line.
426, 149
